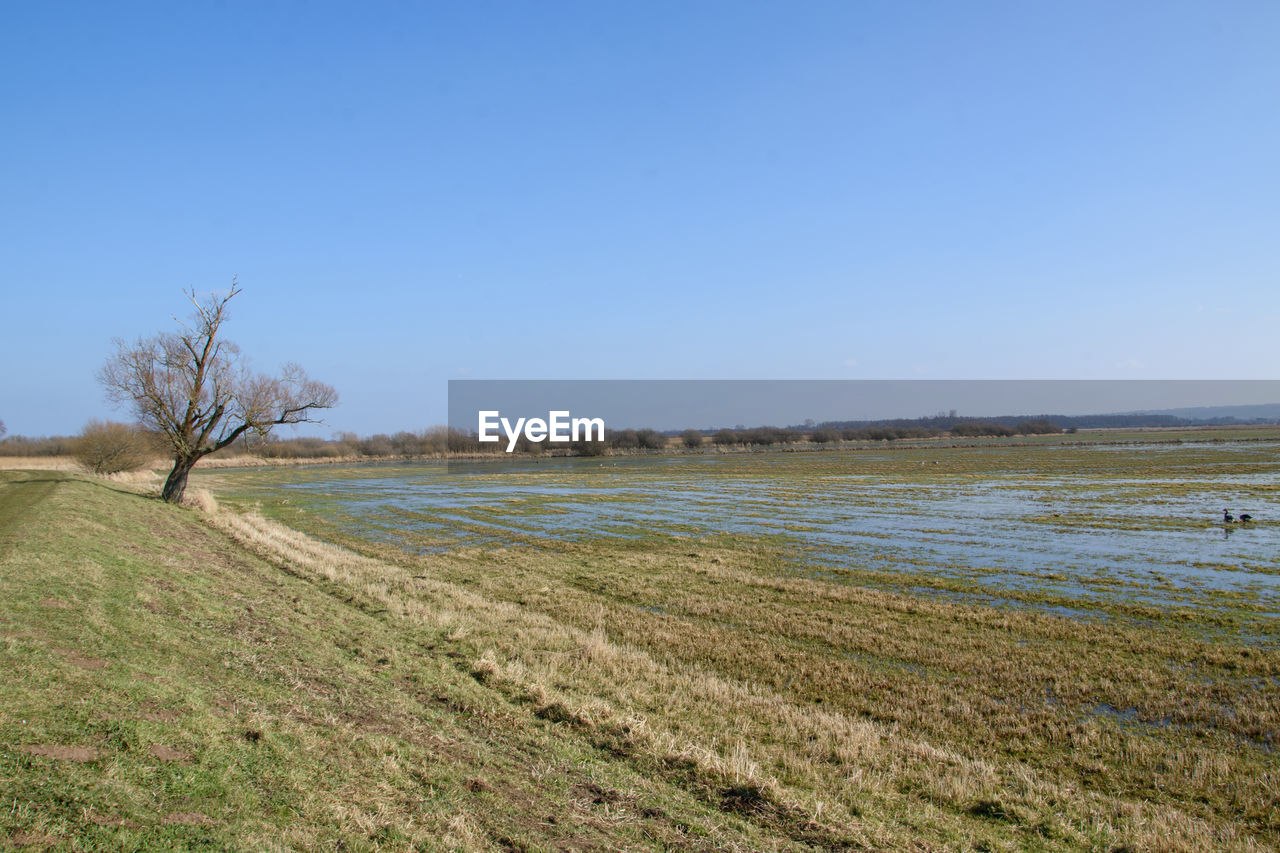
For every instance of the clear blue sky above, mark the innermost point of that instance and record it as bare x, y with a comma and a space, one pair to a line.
413, 192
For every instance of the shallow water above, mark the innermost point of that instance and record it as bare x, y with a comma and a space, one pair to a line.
1139, 522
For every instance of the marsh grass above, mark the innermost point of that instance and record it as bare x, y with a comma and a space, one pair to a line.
844, 703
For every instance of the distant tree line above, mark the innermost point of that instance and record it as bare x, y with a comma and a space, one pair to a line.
436, 441
758, 436
446, 441
990, 428
633, 439
442, 441
827, 434
107, 446
941, 423
21, 445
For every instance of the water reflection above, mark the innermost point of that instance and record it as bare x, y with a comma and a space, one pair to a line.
1050, 530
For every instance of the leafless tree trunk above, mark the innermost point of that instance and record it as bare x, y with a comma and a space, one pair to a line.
193, 387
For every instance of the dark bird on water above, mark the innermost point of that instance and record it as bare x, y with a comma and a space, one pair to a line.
1227, 517
1245, 518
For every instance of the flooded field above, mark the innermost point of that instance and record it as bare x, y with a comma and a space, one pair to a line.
1038, 645
1078, 530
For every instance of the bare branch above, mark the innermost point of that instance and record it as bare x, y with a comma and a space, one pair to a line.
194, 388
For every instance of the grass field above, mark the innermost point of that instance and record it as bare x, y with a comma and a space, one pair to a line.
314, 666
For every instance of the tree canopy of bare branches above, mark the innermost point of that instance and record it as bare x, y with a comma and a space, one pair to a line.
194, 388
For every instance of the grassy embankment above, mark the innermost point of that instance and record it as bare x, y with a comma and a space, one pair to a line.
182, 678
164, 689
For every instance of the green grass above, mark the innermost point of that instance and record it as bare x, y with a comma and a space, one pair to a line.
167, 690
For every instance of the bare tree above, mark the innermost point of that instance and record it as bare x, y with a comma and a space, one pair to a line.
193, 388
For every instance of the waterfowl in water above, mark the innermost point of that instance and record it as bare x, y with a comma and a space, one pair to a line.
1245, 518
1227, 517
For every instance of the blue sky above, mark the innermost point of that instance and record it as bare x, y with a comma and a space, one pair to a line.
413, 192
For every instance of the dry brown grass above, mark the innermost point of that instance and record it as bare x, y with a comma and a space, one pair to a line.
146, 479
161, 463
39, 463
201, 500
250, 461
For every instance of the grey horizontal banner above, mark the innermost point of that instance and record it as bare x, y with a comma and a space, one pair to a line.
677, 404
553, 413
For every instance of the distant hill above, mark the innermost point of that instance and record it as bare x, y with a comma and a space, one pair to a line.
1202, 416
1266, 413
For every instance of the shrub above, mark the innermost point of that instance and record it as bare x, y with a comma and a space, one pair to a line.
691, 438
826, 435
624, 439
464, 442
767, 435
726, 437
435, 440
107, 447
587, 448
302, 447
405, 443
377, 445
650, 439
